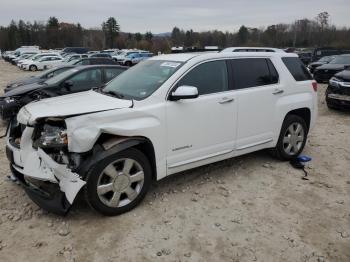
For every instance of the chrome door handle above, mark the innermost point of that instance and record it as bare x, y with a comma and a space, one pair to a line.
226, 100
277, 91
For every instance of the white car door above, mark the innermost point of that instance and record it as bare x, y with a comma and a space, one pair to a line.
202, 130
258, 90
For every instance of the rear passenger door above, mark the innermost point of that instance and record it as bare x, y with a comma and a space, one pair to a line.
257, 87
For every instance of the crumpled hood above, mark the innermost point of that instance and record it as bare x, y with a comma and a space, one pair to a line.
69, 105
23, 81
20, 90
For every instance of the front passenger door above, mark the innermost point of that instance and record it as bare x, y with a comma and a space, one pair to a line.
201, 129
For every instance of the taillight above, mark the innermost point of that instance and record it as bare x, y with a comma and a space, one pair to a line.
314, 86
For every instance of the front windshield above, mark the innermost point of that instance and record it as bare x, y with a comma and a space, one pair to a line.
30, 56
143, 79
341, 60
58, 78
37, 57
324, 59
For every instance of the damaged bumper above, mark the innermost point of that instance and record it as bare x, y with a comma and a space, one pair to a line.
51, 185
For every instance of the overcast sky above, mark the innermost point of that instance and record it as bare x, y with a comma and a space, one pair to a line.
161, 16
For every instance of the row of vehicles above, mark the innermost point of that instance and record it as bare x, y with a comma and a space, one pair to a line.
108, 139
30, 58
335, 71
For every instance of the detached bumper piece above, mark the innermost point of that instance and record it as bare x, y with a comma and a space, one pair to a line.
45, 194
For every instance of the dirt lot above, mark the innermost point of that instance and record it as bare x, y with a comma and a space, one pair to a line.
252, 208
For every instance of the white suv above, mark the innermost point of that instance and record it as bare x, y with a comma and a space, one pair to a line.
165, 115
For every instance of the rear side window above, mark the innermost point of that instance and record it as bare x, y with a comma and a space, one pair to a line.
251, 72
296, 68
209, 77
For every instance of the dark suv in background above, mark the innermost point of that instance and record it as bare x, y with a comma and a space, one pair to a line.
323, 73
338, 91
322, 61
327, 51
77, 50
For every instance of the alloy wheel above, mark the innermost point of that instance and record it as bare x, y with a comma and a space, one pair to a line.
293, 139
120, 182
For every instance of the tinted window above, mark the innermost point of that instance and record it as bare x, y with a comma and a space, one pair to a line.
273, 72
210, 77
112, 72
56, 72
252, 72
86, 80
296, 68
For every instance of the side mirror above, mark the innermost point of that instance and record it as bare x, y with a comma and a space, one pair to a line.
184, 92
68, 84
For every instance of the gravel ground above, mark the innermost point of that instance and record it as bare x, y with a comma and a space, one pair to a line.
251, 208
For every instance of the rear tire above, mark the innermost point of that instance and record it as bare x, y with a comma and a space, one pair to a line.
292, 138
118, 182
128, 63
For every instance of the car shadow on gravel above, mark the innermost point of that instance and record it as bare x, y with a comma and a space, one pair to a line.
218, 171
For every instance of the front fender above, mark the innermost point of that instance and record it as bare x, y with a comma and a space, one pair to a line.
84, 131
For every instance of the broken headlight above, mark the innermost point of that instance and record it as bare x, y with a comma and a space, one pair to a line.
52, 137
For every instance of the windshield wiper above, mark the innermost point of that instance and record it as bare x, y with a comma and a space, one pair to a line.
113, 93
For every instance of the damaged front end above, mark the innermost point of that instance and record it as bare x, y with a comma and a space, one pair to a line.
40, 159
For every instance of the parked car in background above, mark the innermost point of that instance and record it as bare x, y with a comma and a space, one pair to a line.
77, 50
123, 53
305, 57
44, 63
338, 90
134, 58
26, 63
252, 49
37, 78
95, 61
77, 79
71, 58
24, 55
21, 50
327, 51
105, 55
323, 73
109, 51
165, 115
322, 61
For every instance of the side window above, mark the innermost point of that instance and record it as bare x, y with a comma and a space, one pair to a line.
112, 72
297, 68
251, 72
86, 80
84, 62
209, 77
273, 72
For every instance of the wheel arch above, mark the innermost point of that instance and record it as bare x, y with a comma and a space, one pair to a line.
304, 113
109, 144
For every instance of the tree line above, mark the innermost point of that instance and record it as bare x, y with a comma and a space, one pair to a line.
307, 33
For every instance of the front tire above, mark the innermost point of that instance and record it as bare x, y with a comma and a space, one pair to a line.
292, 139
33, 68
119, 182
